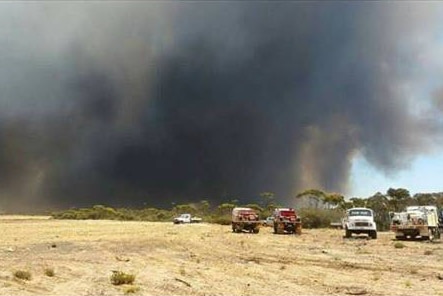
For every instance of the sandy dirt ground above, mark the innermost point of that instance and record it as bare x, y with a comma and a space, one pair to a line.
204, 259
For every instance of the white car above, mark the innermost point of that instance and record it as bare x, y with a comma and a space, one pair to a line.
269, 221
186, 218
360, 220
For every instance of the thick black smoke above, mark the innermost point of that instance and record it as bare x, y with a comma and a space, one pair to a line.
132, 103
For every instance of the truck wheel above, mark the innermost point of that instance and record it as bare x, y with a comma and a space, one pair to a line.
256, 230
298, 229
236, 228
348, 233
373, 234
431, 234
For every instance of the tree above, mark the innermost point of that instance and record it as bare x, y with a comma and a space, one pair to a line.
424, 199
313, 197
267, 198
318, 198
225, 208
439, 199
333, 199
268, 203
358, 202
379, 203
346, 205
314, 192
399, 198
203, 206
256, 207
186, 208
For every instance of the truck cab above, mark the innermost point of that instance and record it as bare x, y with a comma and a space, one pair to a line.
245, 219
286, 221
360, 220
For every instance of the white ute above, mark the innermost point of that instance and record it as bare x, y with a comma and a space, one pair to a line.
186, 218
360, 220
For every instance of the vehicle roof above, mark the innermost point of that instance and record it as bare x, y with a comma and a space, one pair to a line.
242, 209
412, 208
359, 209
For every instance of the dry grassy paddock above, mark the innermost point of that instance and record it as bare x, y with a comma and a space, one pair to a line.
204, 259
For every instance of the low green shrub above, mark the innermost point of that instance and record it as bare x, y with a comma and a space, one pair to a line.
319, 218
399, 245
222, 219
131, 290
121, 278
22, 274
49, 272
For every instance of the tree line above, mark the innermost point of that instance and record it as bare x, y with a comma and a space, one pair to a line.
317, 208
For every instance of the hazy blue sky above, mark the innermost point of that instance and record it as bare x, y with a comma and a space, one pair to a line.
425, 174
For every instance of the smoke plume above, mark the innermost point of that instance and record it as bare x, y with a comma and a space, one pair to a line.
126, 103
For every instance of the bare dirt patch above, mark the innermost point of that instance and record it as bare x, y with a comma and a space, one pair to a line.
204, 259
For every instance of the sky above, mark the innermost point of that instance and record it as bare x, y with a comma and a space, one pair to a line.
128, 103
424, 175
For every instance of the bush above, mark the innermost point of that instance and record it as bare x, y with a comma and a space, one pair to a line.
121, 278
399, 245
319, 218
428, 252
49, 272
131, 290
222, 219
99, 212
22, 274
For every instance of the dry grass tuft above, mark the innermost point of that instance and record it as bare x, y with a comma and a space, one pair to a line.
131, 290
376, 277
399, 245
22, 274
49, 272
121, 278
182, 271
